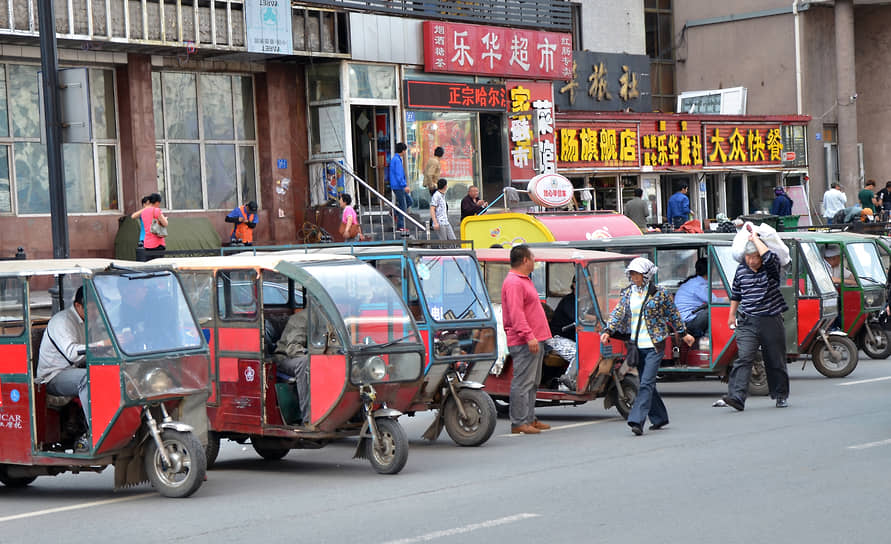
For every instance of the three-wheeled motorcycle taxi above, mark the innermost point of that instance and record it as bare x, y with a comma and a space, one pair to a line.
584, 279
807, 289
445, 292
362, 350
146, 362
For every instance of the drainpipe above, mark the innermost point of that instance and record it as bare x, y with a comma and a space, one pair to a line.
795, 13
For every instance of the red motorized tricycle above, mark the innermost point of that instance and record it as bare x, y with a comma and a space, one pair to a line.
147, 368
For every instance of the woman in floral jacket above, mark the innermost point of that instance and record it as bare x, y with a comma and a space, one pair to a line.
659, 313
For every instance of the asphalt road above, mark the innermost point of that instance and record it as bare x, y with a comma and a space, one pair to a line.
815, 472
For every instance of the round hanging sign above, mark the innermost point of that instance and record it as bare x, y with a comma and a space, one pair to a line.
550, 190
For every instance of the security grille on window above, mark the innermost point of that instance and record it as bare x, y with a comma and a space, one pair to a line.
205, 140
91, 169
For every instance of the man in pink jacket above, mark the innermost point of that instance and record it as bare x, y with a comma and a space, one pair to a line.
526, 327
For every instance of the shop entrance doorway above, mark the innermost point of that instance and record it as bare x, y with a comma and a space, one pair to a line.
372, 133
495, 171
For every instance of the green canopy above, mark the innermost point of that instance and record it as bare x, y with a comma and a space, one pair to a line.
186, 233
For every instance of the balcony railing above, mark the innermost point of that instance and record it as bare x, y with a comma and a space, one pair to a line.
544, 14
199, 24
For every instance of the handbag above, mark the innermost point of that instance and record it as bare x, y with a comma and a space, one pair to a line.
353, 231
632, 356
158, 229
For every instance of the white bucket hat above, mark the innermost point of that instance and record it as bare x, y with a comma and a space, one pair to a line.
643, 266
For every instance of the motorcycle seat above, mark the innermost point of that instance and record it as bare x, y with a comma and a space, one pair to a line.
57, 401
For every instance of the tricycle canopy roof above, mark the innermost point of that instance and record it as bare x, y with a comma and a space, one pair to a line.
375, 250
650, 241
249, 260
39, 267
553, 254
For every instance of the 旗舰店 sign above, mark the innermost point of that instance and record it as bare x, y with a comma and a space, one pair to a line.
267, 26
498, 51
550, 190
531, 130
458, 96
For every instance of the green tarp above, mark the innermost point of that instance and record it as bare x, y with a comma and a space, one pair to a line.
185, 233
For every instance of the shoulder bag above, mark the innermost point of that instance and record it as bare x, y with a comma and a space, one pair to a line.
158, 229
632, 356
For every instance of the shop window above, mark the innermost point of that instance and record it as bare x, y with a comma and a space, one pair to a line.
372, 81
659, 38
90, 169
795, 140
761, 192
205, 138
455, 132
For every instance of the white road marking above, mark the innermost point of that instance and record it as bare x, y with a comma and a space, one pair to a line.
870, 445
866, 381
466, 529
570, 426
48, 511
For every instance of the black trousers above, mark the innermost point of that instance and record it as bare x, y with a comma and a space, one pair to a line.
769, 334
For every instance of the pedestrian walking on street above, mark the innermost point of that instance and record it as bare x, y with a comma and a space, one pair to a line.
679, 207
756, 310
644, 314
526, 328
439, 212
396, 177
834, 201
637, 209
782, 204
433, 169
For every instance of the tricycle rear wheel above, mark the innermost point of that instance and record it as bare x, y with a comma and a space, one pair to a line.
877, 345
213, 448
847, 352
481, 417
10, 481
630, 386
189, 464
758, 386
389, 454
271, 449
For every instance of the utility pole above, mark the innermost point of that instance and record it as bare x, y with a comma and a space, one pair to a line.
49, 64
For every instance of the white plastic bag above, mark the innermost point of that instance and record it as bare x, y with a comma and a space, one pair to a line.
767, 234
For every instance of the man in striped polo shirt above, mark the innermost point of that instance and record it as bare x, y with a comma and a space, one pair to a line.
756, 310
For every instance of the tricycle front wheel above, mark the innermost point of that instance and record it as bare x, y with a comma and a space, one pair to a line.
10, 481
187, 468
479, 425
876, 345
271, 449
630, 386
388, 454
846, 352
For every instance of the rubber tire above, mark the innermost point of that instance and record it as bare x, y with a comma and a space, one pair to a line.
630, 386
270, 449
821, 356
396, 444
502, 407
876, 353
9, 481
187, 443
758, 386
476, 402
213, 448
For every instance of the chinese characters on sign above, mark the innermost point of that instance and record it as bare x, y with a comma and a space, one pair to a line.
743, 145
608, 145
673, 144
267, 26
461, 96
605, 82
531, 129
498, 51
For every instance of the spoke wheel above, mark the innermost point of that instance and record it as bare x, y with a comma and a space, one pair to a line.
389, 454
846, 352
630, 386
188, 465
877, 345
758, 386
481, 417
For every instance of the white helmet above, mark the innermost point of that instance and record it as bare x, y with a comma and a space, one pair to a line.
643, 266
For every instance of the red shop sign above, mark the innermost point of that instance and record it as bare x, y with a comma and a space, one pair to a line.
498, 51
443, 95
741, 145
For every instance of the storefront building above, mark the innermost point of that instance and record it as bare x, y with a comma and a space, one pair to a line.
731, 164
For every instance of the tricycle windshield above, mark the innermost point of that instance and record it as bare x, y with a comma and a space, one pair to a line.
147, 313
453, 287
676, 265
372, 311
728, 263
867, 264
817, 266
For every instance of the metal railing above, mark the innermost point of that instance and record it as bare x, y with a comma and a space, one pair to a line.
191, 24
544, 14
377, 211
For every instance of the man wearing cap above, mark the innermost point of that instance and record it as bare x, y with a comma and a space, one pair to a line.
245, 219
834, 201
756, 310
832, 258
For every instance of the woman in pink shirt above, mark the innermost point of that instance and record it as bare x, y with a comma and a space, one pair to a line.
348, 219
154, 245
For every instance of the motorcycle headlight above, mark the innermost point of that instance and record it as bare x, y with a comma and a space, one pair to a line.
158, 381
870, 300
376, 368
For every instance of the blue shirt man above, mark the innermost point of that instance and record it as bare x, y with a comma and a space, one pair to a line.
396, 177
692, 294
679, 207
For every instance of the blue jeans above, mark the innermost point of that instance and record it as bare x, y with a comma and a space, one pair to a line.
402, 204
648, 402
72, 381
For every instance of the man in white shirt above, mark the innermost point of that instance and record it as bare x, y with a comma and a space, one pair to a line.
60, 364
834, 201
439, 212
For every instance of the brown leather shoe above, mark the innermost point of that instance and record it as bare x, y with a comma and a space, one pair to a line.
540, 426
524, 429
